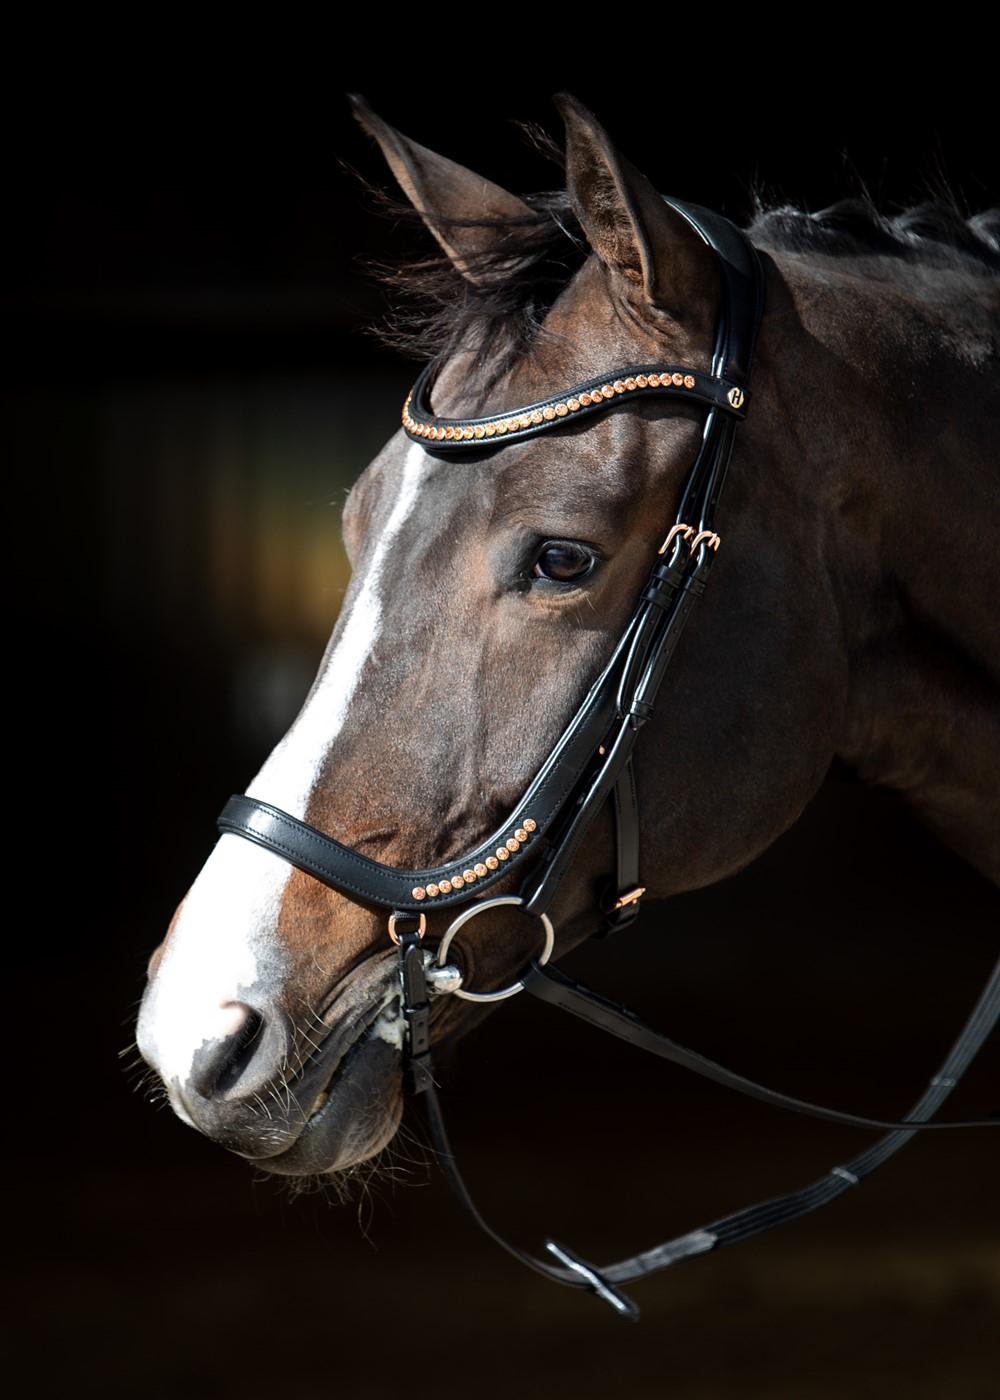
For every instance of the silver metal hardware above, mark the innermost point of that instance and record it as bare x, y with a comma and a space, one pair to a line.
470, 913
441, 980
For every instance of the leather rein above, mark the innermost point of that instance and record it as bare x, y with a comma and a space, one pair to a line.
590, 763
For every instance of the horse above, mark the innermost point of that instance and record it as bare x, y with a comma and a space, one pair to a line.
526, 552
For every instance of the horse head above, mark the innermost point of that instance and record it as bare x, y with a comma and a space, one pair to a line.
491, 585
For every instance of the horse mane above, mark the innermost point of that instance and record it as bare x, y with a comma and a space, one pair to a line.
934, 233
438, 312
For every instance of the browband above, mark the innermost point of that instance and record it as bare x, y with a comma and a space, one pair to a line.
421, 423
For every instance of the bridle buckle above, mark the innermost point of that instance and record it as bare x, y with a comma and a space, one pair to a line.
420, 930
629, 897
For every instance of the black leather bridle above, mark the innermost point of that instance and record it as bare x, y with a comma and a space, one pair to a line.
591, 762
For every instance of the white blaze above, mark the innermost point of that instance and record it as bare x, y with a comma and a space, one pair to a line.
223, 943
290, 774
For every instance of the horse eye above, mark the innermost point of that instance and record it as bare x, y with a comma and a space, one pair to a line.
563, 562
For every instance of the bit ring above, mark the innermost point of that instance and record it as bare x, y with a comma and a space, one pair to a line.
470, 913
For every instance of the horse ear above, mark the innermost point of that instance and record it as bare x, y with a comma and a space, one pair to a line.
470, 217
630, 226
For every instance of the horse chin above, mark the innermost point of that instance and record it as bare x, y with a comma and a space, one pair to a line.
358, 1119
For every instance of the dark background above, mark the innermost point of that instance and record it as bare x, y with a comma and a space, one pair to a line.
191, 392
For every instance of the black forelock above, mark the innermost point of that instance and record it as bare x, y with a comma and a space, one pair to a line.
496, 313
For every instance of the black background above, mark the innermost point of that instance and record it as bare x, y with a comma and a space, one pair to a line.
181, 225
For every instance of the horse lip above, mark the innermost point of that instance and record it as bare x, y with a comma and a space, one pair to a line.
324, 1066
330, 1064
340, 1133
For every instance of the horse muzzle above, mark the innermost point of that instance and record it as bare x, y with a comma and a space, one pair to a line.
295, 1098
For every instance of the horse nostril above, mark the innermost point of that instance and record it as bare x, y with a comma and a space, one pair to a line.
219, 1064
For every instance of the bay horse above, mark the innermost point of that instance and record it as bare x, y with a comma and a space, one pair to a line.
484, 712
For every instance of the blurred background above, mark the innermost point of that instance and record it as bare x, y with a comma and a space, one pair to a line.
192, 388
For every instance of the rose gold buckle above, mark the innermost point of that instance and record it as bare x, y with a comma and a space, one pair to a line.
421, 928
685, 530
630, 897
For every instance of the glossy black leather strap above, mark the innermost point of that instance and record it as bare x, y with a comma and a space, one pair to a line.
622, 899
605, 1281
742, 289
550, 984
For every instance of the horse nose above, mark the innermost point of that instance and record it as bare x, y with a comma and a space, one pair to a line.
240, 1064
224, 1064
226, 1058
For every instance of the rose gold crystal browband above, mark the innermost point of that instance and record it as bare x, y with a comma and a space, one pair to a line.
421, 423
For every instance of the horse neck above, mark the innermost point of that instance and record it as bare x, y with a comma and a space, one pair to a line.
889, 373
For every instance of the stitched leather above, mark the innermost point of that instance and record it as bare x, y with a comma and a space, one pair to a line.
472, 434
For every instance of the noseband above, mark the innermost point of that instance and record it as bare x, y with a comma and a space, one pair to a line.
591, 762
